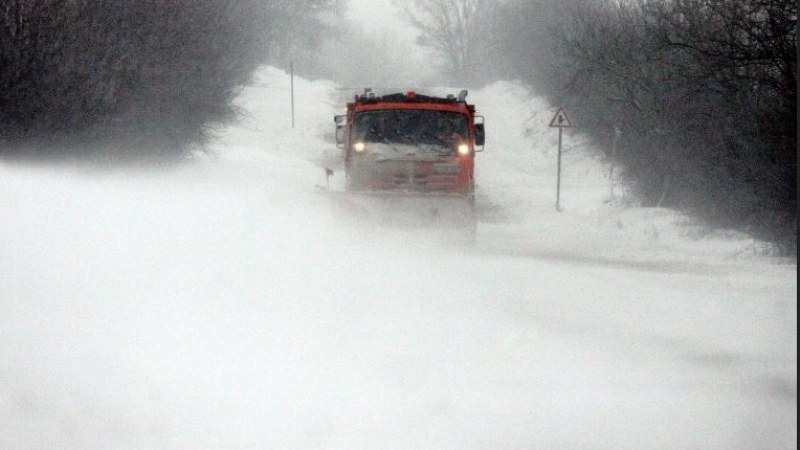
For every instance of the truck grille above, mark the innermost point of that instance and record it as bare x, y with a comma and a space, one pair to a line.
424, 182
407, 180
407, 176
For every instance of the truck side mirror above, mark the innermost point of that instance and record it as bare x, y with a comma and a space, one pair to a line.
480, 135
339, 121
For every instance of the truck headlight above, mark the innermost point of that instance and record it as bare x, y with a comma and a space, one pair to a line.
463, 149
359, 147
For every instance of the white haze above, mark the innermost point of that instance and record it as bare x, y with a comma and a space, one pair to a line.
222, 305
375, 47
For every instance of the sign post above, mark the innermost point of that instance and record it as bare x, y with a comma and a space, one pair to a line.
560, 121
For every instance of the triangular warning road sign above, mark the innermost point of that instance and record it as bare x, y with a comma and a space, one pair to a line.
560, 120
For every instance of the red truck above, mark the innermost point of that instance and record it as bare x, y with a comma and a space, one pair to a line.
408, 145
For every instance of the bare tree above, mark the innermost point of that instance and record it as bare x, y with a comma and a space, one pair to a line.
705, 92
144, 77
453, 29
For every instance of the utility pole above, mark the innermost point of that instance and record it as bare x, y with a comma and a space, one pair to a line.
291, 75
617, 134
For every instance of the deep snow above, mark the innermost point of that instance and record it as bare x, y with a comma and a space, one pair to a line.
220, 304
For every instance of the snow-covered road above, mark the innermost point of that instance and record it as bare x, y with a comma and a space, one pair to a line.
219, 305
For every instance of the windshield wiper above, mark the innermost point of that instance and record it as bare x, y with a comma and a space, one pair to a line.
386, 141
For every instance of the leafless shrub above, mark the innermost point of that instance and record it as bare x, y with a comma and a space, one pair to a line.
136, 79
704, 92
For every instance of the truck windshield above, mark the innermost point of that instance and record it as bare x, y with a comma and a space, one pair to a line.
411, 131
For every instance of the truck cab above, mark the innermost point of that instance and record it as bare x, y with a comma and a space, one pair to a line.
410, 143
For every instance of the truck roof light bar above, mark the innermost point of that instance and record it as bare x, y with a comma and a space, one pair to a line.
409, 97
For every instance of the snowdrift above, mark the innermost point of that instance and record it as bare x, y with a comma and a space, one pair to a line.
219, 305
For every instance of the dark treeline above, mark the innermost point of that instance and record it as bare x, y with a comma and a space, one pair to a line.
105, 78
704, 93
